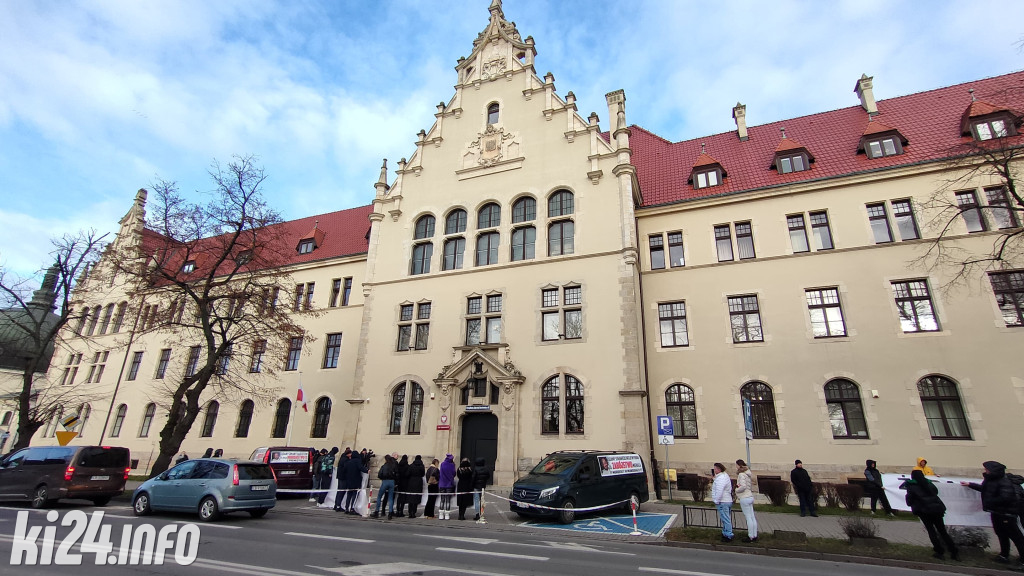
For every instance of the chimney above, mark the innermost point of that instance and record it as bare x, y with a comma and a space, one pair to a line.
739, 113
866, 94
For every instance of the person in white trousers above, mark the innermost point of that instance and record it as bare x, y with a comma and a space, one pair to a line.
745, 494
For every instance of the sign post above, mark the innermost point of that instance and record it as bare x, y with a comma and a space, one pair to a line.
748, 426
666, 437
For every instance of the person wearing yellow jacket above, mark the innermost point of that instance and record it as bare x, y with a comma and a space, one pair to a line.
925, 469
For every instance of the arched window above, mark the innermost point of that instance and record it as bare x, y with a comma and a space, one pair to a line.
455, 223
397, 409
415, 408
147, 420
489, 216
492, 113
115, 429
560, 204
551, 403
421, 254
524, 210
560, 238
845, 412
762, 409
453, 251
244, 419
321, 418
425, 227
51, 428
7, 418
487, 248
84, 411
682, 407
281, 416
210, 420
943, 409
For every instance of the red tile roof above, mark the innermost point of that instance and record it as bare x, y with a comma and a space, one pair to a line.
929, 121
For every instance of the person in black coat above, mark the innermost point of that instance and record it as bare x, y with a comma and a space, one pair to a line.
400, 485
804, 489
874, 488
923, 499
415, 485
353, 472
465, 487
432, 478
481, 476
999, 499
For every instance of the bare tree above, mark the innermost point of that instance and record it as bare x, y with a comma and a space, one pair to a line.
33, 324
994, 164
208, 277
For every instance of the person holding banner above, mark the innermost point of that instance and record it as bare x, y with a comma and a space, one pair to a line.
721, 495
873, 487
999, 498
923, 499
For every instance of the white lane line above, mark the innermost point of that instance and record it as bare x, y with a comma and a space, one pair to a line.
684, 572
399, 568
208, 525
325, 537
460, 538
497, 554
243, 568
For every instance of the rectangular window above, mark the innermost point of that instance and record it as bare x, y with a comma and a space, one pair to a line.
675, 249
549, 297
968, 203
294, 353
903, 212
161, 366
193, 360
657, 244
573, 324
879, 222
133, 372
332, 351
820, 230
706, 179
672, 323
472, 331
826, 313
797, 233
423, 326
335, 292
884, 147
494, 303
405, 313
745, 319
791, 164
224, 361
915, 306
298, 297
473, 305
346, 292
119, 317
745, 240
259, 348
108, 313
551, 325
309, 296
999, 207
723, 242
573, 295
1009, 290
494, 330
567, 322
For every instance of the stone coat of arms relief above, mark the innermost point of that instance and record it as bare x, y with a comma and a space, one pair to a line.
493, 145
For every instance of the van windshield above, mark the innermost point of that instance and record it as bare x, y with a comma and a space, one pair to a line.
555, 465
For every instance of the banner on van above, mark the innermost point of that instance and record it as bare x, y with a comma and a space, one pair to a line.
616, 464
289, 456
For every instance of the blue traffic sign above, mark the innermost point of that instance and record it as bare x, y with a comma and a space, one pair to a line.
665, 426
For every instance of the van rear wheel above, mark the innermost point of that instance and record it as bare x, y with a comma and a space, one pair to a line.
101, 501
41, 498
568, 512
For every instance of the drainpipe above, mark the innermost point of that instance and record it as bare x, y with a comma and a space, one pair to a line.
120, 374
643, 345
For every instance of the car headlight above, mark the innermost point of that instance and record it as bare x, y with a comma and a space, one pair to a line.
548, 492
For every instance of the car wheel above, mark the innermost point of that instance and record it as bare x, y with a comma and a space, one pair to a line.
208, 509
101, 501
568, 512
141, 506
258, 513
634, 500
41, 498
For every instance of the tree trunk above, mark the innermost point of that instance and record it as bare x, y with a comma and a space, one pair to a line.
26, 430
174, 432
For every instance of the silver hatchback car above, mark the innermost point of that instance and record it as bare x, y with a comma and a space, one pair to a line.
210, 487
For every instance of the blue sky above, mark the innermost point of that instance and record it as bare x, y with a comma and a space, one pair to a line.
101, 98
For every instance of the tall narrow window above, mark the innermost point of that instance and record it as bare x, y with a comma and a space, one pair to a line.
193, 360
797, 233
309, 296
147, 420
745, 319
657, 244
821, 231
224, 362
845, 412
281, 417
723, 242
244, 419
675, 249
453, 251
903, 212
422, 325
492, 113
115, 429
745, 240
415, 408
259, 348
487, 248
397, 409
94, 317
550, 401
879, 221
682, 408
561, 238
346, 291
299, 288
335, 292
672, 322
294, 353
573, 405
133, 371
943, 409
423, 251
108, 313
321, 418
914, 303
999, 207
826, 313
1009, 291
84, 411
404, 327
119, 317
332, 350
523, 241
210, 420
762, 409
973, 219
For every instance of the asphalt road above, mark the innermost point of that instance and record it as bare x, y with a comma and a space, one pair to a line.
290, 544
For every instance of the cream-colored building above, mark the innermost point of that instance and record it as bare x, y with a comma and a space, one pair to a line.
530, 281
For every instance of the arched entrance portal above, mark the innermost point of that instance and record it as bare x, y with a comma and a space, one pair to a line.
480, 439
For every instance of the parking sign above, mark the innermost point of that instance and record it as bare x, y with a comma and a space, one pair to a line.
665, 434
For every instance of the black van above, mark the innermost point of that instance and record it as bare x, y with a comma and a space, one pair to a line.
566, 481
292, 465
45, 474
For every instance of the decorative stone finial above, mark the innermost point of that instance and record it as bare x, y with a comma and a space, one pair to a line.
383, 179
783, 130
971, 91
702, 148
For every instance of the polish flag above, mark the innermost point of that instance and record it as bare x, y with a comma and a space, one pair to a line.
299, 398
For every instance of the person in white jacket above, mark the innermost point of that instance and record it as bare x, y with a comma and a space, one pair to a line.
745, 494
721, 495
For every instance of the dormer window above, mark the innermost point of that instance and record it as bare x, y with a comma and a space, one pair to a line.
706, 171
492, 113
707, 179
794, 163
992, 127
984, 121
791, 156
879, 141
188, 267
889, 146
244, 257
306, 246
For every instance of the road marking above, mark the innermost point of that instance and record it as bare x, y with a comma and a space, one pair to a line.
684, 572
209, 525
242, 568
460, 538
498, 554
325, 537
399, 568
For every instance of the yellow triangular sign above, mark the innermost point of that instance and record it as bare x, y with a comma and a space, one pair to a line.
64, 437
